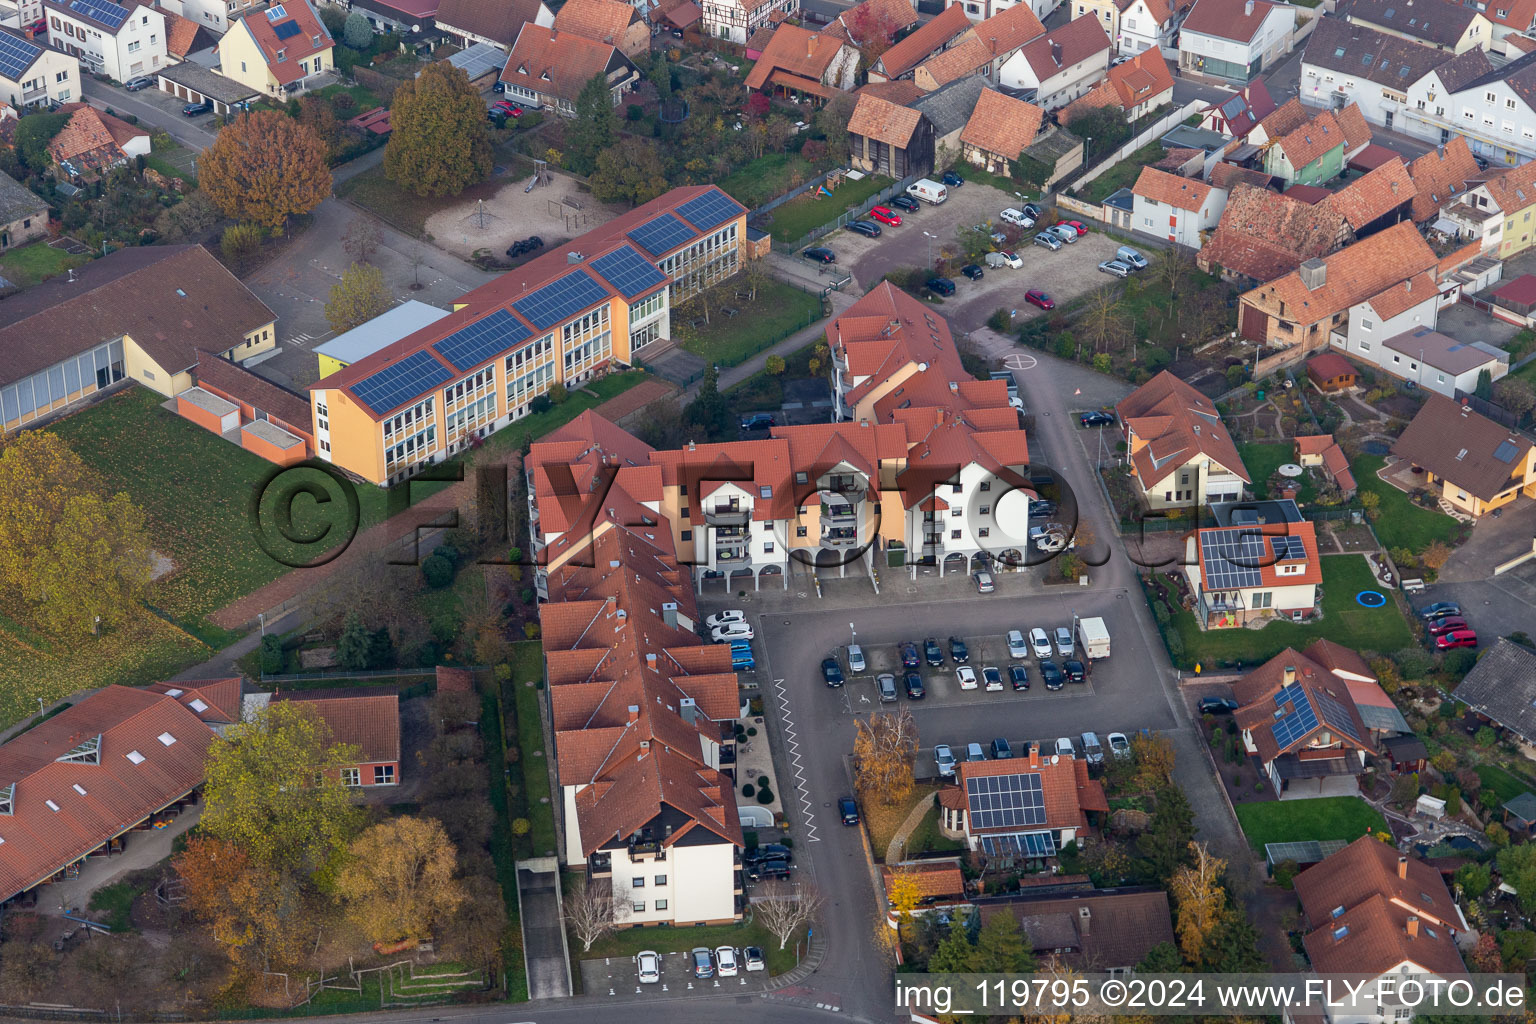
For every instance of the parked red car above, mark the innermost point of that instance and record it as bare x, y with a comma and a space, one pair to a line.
512, 109
1036, 297
1458, 638
1449, 624
885, 215
1082, 229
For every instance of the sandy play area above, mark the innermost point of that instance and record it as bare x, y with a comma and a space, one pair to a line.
513, 214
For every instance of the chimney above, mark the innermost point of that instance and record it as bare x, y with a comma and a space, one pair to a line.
1402, 867
1290, 674
573, 257
689, 709
650, 662
1413, 927
1314, 274
669, 613
634, 713
1248, 9
1084, 921
1056, 47
810, 46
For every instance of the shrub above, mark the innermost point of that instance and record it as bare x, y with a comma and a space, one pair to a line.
531, 631
748, 789
1155, 357
557, 393
1485, 737
1284, 872
527, 595
1102, 363
752, 730
271, 654
1175, 644
1459, 662
765, 796
240, 241
521, 826
540, 404
437, 570
999, 320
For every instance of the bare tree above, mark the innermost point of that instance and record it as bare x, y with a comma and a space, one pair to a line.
1103, 321
786, 907
361, 239
417, 256
594, 910
884, 751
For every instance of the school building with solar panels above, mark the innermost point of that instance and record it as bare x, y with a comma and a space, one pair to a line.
562, 318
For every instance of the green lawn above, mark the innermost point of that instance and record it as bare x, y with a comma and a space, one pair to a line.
778, 311
804, 214
30, 264
1402, 524
1123, 174
1262, 458
927, 838
528, 665
363, 99
769, 175
1344, 621
764, 392
116, 901
536, 425
628, 942
1298, 821
1501, 783
501, 845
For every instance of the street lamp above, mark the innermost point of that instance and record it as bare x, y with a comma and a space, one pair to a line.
853, 637
930, 248
262, 618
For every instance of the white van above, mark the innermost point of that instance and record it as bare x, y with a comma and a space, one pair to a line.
1130, 257
928, 190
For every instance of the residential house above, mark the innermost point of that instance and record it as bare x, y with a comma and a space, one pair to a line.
1263, 235
1106, 12
1501, 688
1006, 33
1297, 719
1180, 452
1280, 122
1445, 25
1373, 913
949, 27
1513, 23
1136, 87
119, 41
1497, 211
1493, 105
1152, 25
549, 68
367, 718
1259, 561
861, 23
374, 335
982, 10
968, 57
510, 340
23, 215
1321, 451
1376, 288
1240, 113
262, 417
278, 51
1235, 39
1091, 931
798, 62
77, 784
1347, 62
1025, 808
184, 37
643, 714
402, 17
1440, 177
1000, 129
949, 110
33, 74
736, 20
1439, 363
140, 313
1311, 154
215, 15
93, 142
1331, 372
492, 21
1059, 66
1175, 208
890, 139
1470, 462
1381, 717
606, 21
1375, 200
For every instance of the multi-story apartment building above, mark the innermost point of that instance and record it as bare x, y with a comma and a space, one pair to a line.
119, 41
1486, 102
561, 318
32, 74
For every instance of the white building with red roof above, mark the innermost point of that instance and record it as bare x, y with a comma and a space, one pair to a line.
1024, 808
1235, 39
1260, 561
1301, 723
278, 51
121, 41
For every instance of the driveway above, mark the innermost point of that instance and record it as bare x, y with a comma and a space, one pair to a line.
1493, 542
538, 901
1462, 322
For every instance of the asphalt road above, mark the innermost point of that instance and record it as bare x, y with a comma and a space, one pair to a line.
160, 109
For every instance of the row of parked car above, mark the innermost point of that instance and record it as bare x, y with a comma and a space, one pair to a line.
1086, 746
1041, 644
721, 962
1445, 626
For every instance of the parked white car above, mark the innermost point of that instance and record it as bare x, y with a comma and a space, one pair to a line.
1064, 747
725, 961
725, 618
1064, 646
1040, 642
1119, 746
648, 964
731, 631
1018, 217
966, 676
1017, 648
1004, 259
856, 658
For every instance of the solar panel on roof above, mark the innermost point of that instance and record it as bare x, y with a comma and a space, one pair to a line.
286, 29
470, 346
395, 385
1337, 716
16, 55
1302, 719
1234, 106
1232, 558
1003, 800
1287, 549
709, 210
103, 11
1506, 451
560, 300
661, 234
627, 270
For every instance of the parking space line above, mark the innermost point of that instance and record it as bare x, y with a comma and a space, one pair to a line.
792, 743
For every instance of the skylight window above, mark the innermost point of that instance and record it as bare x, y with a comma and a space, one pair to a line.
198, 706
765, 491
276, 12
166, 739
1338, 911
174, 693
1339, 932
79, 789
52, 806
135, 757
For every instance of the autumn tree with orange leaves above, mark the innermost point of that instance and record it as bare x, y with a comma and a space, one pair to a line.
265, 168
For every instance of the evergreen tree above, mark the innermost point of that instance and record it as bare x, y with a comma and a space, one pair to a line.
352, 647
1484, 387
1233, 948
356, 32
1001, 949
954, 954
594, 128
1164, 847
710, 413
1162, 958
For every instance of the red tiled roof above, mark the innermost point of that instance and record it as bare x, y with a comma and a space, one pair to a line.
1354, 274
235, 381
1228, 19
962, 59
370, 721
62, 810
211, 700
1264, 235
797, 51
1075, 41
1284, 119
1329, 365
1177, 423
310, 39
1373, 195
934, 881
1067, 789
1002, 125
883, 121
85, 141
1258, 691
603, 21
910, 52
1357, 132
1441, 176
554, 63
888, 15
1310, 141
1179, 192
1010, 29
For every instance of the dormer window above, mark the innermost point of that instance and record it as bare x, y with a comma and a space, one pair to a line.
276, 12
315, 39
282, 55
544, 77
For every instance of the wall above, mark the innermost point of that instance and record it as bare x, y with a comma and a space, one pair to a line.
150, 373
1163, 125
710, 892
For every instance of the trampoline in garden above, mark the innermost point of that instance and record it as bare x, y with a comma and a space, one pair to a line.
1370, 599
672, 112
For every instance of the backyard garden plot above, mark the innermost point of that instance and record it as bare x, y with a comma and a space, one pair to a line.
1299, 821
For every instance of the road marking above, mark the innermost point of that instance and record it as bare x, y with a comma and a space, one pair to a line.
792, 741
1020, 361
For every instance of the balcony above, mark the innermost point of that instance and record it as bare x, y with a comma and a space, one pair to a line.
839, 513
846, 483
646, 848
34, 95
731, 556
600, 865
840, 537
727, 515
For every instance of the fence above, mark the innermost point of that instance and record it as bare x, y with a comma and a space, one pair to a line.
425, 684
842, 219
1162, 125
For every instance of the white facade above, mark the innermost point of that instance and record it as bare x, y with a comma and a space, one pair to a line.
1200, 480
734, 546
137, 48
53, 78
1495, 120
1061, 85
1184, 227
214, 15
984, 514
981, 10
1333, 90
736, 20
1236, 60
1140, 31
1368, 329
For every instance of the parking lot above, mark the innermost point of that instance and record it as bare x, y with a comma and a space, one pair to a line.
922, 236
619, 976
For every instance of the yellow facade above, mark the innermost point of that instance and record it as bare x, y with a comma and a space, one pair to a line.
1519, 231
241, 59
151, 374
329, 365
1522, 480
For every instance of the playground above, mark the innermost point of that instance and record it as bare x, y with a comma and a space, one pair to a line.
555, 209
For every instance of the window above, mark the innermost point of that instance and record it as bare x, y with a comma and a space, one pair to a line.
383, 775
133, 47
661, 879
1440, 377
687, 535
799, 531
986, 485
985, 510
954, 513
638, 883
1365, 346
639, 906
62, 76
768, 547
984, 532
661, 904
954, 534
282, 55
351, 777
325, 446
802, 477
